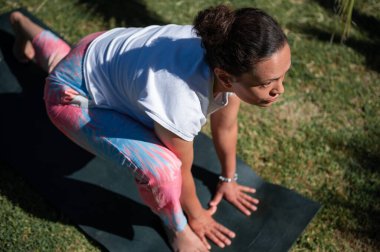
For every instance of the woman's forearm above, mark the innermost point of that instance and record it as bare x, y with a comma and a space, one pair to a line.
224, 129
184, 151
225, 144
189, 199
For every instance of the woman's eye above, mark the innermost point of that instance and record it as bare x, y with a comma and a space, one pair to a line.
265, 85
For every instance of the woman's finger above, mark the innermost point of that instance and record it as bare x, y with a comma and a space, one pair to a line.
217, 198
215, 239
247, 204
222, 237
225, 231
249, 198
247, 189
205, 242
241, 207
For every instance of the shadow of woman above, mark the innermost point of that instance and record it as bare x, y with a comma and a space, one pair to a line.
123, 13
32, 146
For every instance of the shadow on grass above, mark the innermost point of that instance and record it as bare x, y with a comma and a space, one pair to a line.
45, 157
33, 147
361, 198
361, 224
74, 207
370, 49
123, 13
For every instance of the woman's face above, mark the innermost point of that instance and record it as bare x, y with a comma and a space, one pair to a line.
264, 84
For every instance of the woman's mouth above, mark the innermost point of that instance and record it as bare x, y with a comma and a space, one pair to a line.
271, 100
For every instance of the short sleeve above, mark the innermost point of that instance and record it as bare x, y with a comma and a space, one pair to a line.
174, 105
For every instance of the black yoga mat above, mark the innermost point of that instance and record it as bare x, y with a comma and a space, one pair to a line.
101, 199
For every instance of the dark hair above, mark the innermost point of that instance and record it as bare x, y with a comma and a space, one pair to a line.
235, 40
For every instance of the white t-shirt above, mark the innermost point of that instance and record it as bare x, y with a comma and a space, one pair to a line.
156, 73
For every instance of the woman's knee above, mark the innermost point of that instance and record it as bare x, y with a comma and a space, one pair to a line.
159, 168
158, 177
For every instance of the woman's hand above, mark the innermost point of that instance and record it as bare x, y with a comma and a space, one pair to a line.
206, 227
237, 195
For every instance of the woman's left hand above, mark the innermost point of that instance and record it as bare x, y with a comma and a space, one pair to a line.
237, 195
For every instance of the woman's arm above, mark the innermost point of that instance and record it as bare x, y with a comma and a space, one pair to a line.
199, 219
184, 151
224, 128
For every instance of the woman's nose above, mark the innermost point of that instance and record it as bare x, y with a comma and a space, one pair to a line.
278, 89
281, 88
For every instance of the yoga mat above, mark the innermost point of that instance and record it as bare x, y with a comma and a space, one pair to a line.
102, 199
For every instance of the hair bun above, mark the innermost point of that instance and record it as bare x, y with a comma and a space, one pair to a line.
214, 24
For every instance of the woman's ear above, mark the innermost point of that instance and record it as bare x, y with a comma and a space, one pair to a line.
223, 78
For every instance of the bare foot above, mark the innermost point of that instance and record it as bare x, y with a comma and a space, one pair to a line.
186, 241
22, 48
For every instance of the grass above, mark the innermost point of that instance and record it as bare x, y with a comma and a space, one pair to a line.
322, 140
29, 223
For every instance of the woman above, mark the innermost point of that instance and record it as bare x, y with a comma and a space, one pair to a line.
138, 96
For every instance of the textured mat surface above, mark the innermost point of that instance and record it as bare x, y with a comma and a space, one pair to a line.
101, 199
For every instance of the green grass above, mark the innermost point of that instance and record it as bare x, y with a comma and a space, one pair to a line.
322, 140
28, 223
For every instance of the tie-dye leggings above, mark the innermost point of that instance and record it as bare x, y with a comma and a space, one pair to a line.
111, 135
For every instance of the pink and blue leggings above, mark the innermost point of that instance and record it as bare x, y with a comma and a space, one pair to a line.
111, 135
